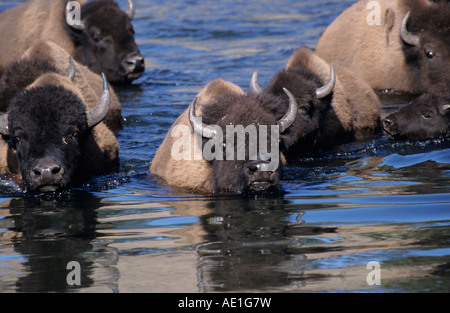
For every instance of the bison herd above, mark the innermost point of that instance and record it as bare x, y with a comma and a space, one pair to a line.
59, 115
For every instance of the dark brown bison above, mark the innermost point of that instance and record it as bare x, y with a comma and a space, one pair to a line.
322, 107
48, 57
104, 40
427, 116
49, 140
209, 147
403, 45
342, 110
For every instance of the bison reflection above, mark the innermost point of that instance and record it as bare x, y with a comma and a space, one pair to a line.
425, 117
104, 41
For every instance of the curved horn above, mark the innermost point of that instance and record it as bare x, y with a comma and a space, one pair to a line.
324, 91
200, 128
97, 114
78, 25
71, 72
406, 36
4, 129
289, 118
254, 83
131, 9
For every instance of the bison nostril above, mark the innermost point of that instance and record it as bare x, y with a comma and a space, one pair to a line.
252, 168
37, 172
56, 169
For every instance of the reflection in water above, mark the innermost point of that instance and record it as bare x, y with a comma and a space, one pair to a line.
50, 233
252, 244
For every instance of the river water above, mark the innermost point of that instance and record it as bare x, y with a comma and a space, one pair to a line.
380, 201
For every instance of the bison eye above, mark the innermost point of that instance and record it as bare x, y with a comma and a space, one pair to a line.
17, 139
426, 116
430, 54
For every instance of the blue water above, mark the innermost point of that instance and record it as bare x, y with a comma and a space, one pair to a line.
383, 201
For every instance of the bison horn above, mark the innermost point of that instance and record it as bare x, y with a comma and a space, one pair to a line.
131, 9
406, 36
77, 26
4, 125
324, 91
97, 114
289, 118
71, 72
254, 83
199, 127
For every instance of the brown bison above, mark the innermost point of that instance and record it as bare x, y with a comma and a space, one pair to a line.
400, 45
210, 146
49, 137
49, 57
103, 40
321, 108
426, 117
343, 110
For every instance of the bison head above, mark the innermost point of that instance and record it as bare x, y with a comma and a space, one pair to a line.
313, 102
425, 117
238, 122
425, 33
105, 41
46, 128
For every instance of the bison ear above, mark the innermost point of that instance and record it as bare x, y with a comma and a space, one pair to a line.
4, 129
97, 114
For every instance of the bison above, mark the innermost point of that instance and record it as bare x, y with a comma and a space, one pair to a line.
49, 140
321, 108
103, 40
426, 117
202, 154
45, 57
343, 110
400, 45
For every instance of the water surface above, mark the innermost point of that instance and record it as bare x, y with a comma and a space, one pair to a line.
382, 201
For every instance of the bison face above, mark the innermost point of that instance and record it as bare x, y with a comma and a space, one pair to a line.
427, 52
241, 141
426, 117
313, 99
47, 130
105, 41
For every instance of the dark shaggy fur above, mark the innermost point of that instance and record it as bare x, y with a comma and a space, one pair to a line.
18, 75
430, 60
425, 117
304, 136
48, 122
106, 42
233, 109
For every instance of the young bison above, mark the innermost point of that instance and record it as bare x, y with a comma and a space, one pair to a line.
426, 117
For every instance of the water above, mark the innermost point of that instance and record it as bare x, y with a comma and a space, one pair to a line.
379, 200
